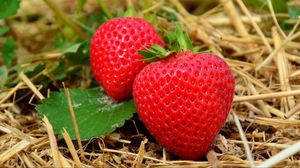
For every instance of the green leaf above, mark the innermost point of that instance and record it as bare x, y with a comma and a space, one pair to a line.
188, 41
9, 8
3, 30
72, 49
170, 16
147, 53
153, 54
8, 51
151, 18
294, 12
159, 49
3, 75
95, 113
279, 6
171, 36
180, 38
183, 40
79, 52
196, 49
33, 70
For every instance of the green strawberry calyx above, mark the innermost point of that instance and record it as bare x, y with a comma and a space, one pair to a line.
179, 42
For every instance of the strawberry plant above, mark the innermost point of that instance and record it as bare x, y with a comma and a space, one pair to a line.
183, 98
115, 60
99, 83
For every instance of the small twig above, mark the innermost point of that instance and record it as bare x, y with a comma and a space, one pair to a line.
264, 144
132, 154
275, 19
74, 121
53, 143
274, 52
266, 96
293, 111
281, 156
11, 92
71, 147
38, 159
255, 40
64, 162
212, 159
294, 28
156, 5
235, 17
243, 137
139, 159
4, 156
261, 104
164, 154
225, 21
254, 24
28, 82
253, 80
26, 160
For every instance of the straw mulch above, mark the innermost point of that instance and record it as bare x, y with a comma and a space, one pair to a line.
262, 128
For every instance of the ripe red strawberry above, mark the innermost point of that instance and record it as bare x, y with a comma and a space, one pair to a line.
115, 60
184, 100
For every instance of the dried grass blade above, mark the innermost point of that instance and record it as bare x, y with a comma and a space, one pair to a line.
13, 150
266, 96
244, 139
74, 121
26, 160
270, 5
53, 143
38, 159
28, 82
71, 147
281, 156
254, 24
139, 158
11, 92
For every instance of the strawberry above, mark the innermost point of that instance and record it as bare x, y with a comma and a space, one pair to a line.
115, 60
184, 100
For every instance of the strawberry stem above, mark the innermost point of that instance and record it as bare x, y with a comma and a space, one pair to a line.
179, 42
130, 12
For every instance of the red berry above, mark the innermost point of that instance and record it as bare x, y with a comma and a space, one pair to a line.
115, 60
184, 100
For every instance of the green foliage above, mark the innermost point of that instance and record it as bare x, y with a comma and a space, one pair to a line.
294, 12
3, 30
33, 70
154, 53
104, 8
3, 75
95, 113
74, 58
8, 51
8, 8
170, 16
280, 6
78, 52
178, 40
130, 12
80, 5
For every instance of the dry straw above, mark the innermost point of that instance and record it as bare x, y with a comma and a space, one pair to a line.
262, 130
